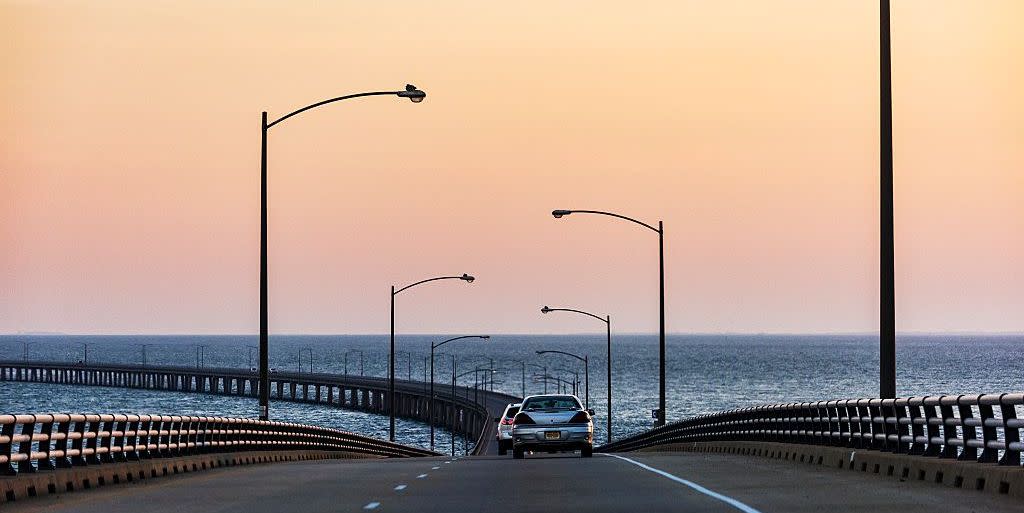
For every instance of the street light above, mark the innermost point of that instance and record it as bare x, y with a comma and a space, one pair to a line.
408, 361
410, 92
360, 360
200, 355
523, 364
250, 348
431, 406
298, 361
543, 369
660, 230
391, 354
144, 346
586, 365
607, 320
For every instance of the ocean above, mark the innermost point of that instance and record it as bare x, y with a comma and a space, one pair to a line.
705, 373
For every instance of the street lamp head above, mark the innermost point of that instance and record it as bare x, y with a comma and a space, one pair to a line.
545, 309
412, 93
467, 278
559, 213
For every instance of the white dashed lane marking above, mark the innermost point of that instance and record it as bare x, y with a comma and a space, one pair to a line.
400, 487
372, 505
421, 476
434, 468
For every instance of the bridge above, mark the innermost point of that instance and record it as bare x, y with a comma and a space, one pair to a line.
927, 454
469, 412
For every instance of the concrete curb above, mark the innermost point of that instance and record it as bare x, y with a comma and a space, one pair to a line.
968, 475
60, 481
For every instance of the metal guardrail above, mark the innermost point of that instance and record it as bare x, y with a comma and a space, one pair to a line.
983, 428
45, 442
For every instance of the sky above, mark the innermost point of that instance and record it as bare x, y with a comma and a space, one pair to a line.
129, 165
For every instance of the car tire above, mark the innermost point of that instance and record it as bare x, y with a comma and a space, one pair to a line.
587, 451
518, 454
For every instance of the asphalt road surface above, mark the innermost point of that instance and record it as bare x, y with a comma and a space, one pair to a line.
645, 482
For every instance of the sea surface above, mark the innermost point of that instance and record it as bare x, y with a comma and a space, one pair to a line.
705, 373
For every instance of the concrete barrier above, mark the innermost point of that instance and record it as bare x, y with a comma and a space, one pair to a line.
60, 481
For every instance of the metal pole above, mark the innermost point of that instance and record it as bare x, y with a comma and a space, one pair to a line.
609, 379
661, 331
524, 378
430, 408
391, 372
586, 376
887, 315
264, 345
545, 379
453, 404
87, 354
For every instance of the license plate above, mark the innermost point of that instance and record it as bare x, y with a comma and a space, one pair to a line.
552, 435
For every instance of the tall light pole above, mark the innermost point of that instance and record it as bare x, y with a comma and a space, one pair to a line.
607, 320
543, 369
410, 92
586, 368
250, 348
523, 364
299, 360
430, 408
144, 346
660, 230
887, 301
360, 360
408, 362
391, 353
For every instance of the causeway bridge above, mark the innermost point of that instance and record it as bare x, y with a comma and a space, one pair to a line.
918, 454
469, 412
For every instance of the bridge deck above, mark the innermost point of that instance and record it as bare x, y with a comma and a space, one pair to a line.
549, 483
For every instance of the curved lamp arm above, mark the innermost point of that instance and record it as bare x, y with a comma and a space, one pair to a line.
547, 309
580, 358
410, 92
439, 344
560, 213
465, 277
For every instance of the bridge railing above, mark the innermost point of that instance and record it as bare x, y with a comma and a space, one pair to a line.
44, 442
984, 428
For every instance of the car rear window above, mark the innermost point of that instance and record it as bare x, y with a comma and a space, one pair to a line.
552, 402
512, 411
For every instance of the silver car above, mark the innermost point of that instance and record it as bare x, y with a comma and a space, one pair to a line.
504, 435
555, 422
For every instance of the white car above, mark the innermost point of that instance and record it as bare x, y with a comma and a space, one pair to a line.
556, 422
504, 435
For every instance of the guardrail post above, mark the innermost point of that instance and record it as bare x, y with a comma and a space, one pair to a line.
92, 443
1011, 433
899, 428
110, 426
78, 442
988, 433
7, 445
63, 429
25, 447
917, 421
46, 429
969, 432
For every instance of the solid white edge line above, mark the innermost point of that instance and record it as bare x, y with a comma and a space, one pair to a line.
710, 493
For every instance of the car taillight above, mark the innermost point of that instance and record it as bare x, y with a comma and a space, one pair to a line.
507, 421
580, 418
522, 419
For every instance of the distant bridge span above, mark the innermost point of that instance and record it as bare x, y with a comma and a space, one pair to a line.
470, 412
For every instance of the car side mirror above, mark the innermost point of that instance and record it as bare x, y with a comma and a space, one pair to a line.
591, 412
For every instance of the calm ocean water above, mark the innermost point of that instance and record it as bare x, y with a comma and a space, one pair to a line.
706, 373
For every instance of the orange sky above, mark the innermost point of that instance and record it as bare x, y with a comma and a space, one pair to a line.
129, 165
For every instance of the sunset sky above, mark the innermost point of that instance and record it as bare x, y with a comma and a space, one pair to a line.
129, 165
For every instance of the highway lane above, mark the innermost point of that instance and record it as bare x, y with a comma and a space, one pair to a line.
537, 484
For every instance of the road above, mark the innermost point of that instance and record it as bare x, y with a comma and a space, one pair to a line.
684, 482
